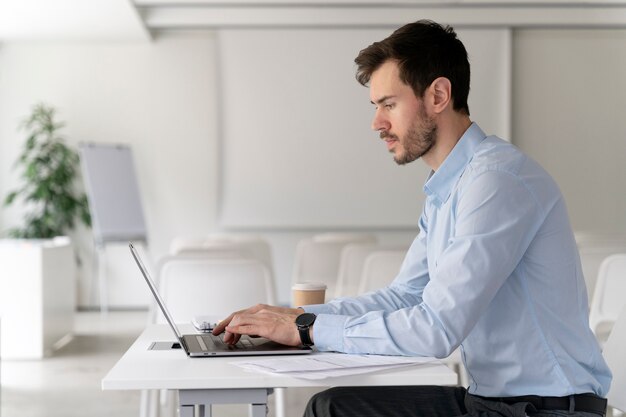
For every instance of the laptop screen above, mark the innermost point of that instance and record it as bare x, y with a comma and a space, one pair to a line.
152, 286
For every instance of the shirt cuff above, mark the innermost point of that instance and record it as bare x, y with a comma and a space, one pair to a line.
317, 309
328, 332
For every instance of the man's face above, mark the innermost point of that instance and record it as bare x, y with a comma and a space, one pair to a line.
400, 116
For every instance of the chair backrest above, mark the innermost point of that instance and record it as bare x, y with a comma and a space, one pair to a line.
380, 268
317, 258
351, 264
192, 286
593, 249
224, 245
616, 359
608, 298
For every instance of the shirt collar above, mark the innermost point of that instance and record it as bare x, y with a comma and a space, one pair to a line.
439, 184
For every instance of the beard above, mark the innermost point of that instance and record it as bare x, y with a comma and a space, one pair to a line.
419, 139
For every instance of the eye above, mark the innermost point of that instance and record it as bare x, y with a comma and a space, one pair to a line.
389, 106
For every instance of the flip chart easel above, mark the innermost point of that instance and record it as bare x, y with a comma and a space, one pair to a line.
114, 202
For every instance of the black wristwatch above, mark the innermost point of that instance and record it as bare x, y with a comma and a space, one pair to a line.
304, 322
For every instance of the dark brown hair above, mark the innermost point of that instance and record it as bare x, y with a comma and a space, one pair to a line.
424, 50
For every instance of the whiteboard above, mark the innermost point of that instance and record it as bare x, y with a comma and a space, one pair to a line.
297, 150
113, 193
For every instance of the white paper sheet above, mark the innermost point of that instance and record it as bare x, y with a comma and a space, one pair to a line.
325, 365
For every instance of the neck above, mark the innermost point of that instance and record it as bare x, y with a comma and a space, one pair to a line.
450, 128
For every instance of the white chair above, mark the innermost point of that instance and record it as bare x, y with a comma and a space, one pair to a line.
614, 355
593, 249
193, 285
224, 245
380, 268
317, 258
351, 262
608, 298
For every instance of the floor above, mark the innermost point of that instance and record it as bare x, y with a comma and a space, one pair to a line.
67, 384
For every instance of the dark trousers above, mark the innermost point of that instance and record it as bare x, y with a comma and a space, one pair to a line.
418, 401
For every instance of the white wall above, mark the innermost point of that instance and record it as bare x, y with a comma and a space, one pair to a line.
306, 155
568, 113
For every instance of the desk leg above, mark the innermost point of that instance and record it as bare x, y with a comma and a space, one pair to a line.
186, 410
205, 398
204, 410
257, 410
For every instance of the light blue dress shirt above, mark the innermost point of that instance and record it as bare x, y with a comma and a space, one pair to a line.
494, 270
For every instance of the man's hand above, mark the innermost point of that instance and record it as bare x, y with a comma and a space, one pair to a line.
274, 323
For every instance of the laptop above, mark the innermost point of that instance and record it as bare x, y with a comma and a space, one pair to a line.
206, 344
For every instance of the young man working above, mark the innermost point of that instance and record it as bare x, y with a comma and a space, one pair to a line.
494, 269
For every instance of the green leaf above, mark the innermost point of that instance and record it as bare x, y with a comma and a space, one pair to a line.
10, 198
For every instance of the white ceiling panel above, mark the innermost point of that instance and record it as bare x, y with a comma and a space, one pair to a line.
217, 14
132, 20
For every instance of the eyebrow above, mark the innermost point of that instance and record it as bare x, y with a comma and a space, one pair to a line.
382, 99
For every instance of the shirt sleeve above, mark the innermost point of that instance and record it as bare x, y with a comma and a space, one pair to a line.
429, 312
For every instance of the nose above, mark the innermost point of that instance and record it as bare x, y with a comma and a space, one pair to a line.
379, 122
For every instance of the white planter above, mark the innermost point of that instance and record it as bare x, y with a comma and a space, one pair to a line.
37, 295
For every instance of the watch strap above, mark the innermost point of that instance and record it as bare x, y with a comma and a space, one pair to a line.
305, 336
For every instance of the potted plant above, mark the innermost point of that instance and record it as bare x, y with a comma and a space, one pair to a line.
49, 170
38, 285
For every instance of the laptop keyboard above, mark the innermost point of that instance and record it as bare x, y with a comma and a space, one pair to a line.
207, 341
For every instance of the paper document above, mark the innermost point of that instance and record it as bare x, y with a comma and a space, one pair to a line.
204, 324
324, 365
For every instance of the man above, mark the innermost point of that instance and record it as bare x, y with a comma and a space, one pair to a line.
494, 269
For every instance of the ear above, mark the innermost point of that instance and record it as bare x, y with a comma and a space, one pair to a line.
440, 94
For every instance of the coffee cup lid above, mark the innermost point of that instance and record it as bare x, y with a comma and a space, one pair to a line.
309, 286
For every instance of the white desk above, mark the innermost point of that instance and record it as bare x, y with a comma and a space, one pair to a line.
206, 381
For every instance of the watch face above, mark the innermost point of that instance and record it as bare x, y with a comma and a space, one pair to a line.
305, 319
